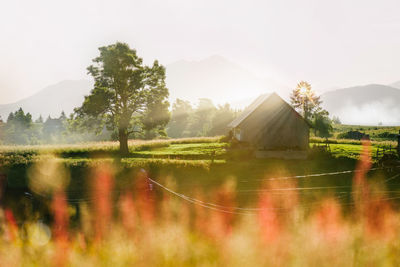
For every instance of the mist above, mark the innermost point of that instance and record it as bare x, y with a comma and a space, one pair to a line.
373, 113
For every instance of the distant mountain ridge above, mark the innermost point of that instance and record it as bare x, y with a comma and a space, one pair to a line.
214, 77
52, 100
395, 85
220, 79
369, 104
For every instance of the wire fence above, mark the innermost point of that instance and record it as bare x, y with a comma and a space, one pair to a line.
318, 174
250, 210
227, 209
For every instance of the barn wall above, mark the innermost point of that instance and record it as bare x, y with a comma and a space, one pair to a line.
275, 126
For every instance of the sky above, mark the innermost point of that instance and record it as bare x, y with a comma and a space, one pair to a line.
331, 44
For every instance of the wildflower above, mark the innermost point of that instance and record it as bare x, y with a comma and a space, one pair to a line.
12, 229
268, 218
360, 185
145, 198
127, 209
103, 186
60, 211
222, 219
328, 220
380, 219
60, 227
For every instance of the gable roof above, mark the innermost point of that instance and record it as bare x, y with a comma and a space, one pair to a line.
253, 106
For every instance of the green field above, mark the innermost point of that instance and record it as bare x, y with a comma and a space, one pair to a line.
375, 132
196, 163
185, 148
353, 150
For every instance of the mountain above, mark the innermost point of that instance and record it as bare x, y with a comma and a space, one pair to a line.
63, 96
395, 85
368, 105
221, 80
216, 78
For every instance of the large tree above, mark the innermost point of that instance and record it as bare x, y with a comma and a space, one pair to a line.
123, 88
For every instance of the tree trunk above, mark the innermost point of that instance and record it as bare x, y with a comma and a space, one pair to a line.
123, 141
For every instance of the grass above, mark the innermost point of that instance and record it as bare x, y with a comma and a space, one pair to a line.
199, 162
108, 214
147, 226
138, 148
205, 160
180, 149
350, 150
194, 165
93, 148
184, 150
385, 144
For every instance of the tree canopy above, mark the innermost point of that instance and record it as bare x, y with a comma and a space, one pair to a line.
204, 119
18, 126
306, 102
126, 93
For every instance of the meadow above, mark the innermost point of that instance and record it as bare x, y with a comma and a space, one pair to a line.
185, 202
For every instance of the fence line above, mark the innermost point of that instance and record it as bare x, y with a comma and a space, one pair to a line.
92, 198
221, 208
246, 211
318, 174
199, 202
295, 188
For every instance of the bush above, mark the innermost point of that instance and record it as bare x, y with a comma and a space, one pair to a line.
387, 135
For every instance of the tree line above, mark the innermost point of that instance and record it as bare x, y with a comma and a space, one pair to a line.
186, 120
202, 120
20, 128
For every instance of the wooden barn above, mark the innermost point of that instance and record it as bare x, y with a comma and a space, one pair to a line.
273, 128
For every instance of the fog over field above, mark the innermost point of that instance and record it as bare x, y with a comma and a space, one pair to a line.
371, 104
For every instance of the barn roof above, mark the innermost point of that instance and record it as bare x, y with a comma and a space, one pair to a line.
253, 106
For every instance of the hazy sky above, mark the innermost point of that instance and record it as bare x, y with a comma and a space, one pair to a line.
328, 43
